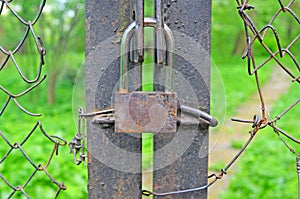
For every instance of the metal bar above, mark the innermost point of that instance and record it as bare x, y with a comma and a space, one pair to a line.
114, 160
110, 119
198, 113
139, 18
172, 175
298, 171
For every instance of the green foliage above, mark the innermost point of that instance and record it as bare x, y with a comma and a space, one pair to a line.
237, 144
216, 166
228, 44
235, 76
226, 26
61, 22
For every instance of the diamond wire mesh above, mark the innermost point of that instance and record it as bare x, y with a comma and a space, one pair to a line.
33, 83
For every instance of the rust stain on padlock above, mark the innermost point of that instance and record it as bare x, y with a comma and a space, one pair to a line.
139, 112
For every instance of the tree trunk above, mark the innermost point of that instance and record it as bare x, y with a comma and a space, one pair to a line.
51, 87
240, 44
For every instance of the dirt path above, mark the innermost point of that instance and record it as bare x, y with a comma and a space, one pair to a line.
220, 143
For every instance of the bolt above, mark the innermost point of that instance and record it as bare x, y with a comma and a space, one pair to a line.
105, 126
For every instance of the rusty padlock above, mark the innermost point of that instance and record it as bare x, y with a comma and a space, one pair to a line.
138, 111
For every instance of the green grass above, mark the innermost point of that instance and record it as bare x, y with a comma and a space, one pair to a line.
56, 120
239, 86
237, 144
268, 169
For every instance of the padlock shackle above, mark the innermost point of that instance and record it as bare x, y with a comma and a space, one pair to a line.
159, 35
169, 56
126, 38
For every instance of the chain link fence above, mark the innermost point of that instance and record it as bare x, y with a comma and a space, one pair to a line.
7, 57
255, 37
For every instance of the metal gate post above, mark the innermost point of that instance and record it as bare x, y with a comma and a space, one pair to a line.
191, 19
112, 174
180, 159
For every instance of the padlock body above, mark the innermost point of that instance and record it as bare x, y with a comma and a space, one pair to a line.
139, 112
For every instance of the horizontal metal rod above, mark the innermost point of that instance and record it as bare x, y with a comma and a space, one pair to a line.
111, 120
103, 117
198, 113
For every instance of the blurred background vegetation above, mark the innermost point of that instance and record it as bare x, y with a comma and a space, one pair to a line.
266, 171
